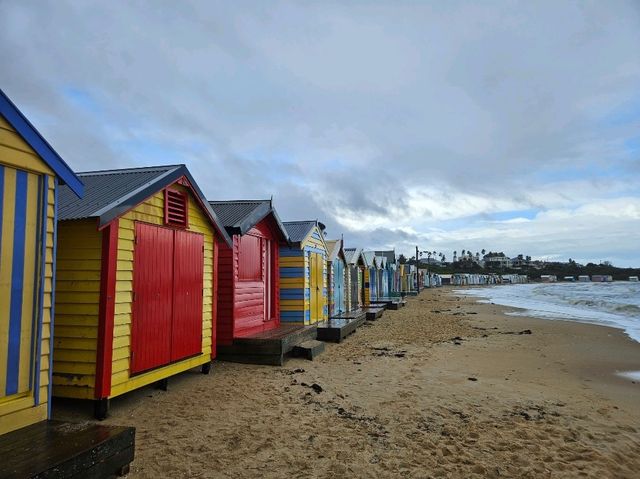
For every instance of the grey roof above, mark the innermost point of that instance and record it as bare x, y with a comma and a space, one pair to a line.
109, 194
334, 247
380, 260
298, 230
389, 255
352, 255
239, 216
369, 257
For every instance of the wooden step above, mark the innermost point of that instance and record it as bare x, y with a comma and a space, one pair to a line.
66, 450
337, 329
308, 349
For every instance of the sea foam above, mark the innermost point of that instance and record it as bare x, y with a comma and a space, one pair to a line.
609, 304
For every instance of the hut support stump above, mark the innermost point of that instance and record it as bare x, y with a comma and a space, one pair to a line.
163, 384
206, 368
101, 409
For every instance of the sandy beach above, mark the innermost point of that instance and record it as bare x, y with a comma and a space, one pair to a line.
445, 387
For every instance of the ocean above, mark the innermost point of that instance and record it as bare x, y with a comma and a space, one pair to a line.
614, 304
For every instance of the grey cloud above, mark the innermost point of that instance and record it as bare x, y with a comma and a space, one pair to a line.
331, 106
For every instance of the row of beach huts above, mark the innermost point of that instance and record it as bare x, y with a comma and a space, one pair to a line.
114, 280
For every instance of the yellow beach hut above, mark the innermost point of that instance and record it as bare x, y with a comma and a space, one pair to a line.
136, 282
30, 172
303, 274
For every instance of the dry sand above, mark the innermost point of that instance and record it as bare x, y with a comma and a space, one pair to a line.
401, 398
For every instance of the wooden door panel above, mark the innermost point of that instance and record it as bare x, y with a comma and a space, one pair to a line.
152, 297
186, 337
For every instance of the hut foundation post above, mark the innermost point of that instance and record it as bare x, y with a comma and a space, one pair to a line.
163, 384
206, 368
101, 408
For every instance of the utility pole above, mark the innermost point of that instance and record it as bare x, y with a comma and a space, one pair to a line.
417, 271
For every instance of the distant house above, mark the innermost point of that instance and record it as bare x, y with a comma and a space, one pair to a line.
520, 261
497, 260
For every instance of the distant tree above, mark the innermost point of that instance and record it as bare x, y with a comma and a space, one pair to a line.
463, 252
483, 251
402, 259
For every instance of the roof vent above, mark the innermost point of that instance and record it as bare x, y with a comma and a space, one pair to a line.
176, 208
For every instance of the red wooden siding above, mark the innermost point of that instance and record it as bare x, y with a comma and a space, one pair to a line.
249, 258
152, 301
186, 334
167, 303
244, 305
224, 319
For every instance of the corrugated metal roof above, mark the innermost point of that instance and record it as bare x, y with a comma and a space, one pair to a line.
333, 249
106, 189
298, 230
351, 255
368, 258
239, 216
109, 194
232, 212
390, 255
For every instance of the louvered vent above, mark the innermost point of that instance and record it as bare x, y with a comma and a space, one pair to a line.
175, 208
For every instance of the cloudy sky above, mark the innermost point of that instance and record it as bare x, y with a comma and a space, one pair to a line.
505, 126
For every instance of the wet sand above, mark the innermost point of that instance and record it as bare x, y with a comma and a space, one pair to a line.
445, 387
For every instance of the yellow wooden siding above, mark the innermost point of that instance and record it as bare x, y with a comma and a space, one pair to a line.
16, 152
152, 211
20, 410
77, 298
367, 291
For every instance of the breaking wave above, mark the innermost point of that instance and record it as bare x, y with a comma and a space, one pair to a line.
609, 304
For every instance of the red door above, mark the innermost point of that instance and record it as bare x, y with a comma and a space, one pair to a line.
186, 338
152, 300
167, 303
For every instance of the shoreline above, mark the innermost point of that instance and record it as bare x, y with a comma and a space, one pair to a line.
445, 387
601, 354
521, 311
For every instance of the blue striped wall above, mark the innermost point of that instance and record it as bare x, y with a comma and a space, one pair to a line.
22, 229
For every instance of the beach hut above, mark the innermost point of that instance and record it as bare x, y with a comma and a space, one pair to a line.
31, 175
336, 278
391, 288
370, 277
303, 274
248, 276
136, 282
355, 278
30, 172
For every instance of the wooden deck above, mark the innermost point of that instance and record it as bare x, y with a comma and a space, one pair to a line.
373, 312
339, 327
57, 449
390, 303
267, 347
